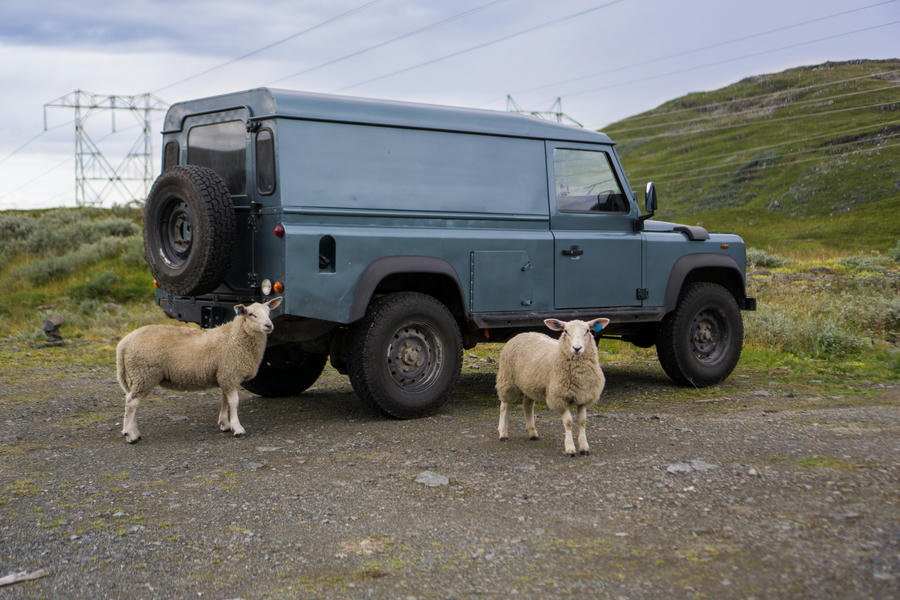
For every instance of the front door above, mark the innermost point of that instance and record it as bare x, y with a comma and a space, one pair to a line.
598, 261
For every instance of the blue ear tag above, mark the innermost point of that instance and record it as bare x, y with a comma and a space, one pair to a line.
598, 327
240, 310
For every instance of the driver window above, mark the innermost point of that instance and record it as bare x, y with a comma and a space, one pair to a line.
586, 183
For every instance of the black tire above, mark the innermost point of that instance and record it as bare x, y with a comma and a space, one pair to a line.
285, 371
700, 342
405, 355
189, 230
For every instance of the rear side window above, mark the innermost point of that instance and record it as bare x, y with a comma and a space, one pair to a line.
223, 148
265, 162
586, 182
170, 155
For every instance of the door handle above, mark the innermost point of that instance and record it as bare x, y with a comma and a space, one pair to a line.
573, 251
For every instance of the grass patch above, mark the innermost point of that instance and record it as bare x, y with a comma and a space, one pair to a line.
823, 462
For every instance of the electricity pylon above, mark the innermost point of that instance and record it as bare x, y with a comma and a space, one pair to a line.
132, 178
555, 113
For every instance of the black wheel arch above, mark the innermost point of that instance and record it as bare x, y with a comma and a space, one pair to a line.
426, 274
714, 268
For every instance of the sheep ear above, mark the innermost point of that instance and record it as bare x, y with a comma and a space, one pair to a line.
239, 309
274, 303
598, 325
555, 324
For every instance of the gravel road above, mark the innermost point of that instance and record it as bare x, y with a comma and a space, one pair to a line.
759, 488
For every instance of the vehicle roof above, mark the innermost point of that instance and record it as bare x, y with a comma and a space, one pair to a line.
268, 102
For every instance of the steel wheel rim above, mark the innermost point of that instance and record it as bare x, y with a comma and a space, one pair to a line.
414, 357
708, 336
176, 233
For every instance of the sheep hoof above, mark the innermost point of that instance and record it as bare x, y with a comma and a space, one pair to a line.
534, 438
570, 454
585, 453
240, 433
504, 439
133, 440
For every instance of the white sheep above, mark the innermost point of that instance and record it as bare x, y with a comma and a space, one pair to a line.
186, 358
565, 373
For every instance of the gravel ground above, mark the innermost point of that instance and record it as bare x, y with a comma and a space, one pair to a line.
759, 488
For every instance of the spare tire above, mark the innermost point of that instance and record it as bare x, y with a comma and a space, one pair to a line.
189, 230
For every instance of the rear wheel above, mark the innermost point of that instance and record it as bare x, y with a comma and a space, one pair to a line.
700, 342
286, 371
405, 355
189, 230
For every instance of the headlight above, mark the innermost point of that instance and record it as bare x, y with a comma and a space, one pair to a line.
266, 287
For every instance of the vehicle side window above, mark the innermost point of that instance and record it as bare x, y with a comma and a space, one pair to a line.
585, 182
223, 148
265, 162
170, 156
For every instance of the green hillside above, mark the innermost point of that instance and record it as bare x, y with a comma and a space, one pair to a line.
802, 161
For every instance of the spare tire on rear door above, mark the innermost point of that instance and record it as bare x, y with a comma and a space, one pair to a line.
189, 230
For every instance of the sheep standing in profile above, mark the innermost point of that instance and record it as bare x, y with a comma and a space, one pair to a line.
565, 373
185, 358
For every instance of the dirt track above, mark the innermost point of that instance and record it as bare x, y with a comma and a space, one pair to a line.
759, 488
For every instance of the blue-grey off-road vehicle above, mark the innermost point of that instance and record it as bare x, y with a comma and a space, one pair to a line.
401, 233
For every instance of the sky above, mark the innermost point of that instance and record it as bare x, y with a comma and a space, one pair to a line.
605, 60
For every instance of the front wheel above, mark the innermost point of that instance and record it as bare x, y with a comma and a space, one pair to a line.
699, 343
404, 356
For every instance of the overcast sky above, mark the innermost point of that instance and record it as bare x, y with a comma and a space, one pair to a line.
606, 60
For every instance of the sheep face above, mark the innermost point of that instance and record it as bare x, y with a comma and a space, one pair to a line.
256, 316
576, 335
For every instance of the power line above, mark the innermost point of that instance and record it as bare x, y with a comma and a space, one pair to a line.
26, 144
700, 49
272, 45
727, 60
731, 165
766, 121
759, 96
756, 110
793, 162
794, 141
482, 45
390, 41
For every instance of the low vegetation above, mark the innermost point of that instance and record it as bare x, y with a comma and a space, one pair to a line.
836, 308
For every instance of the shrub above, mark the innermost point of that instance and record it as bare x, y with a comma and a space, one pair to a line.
894, 253
134, 252
757, 257
53, 267
98, 287
865, 262
818, 338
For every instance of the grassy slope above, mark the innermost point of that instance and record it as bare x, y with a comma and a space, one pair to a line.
804, 198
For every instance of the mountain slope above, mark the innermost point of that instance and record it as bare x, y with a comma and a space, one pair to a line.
798, 160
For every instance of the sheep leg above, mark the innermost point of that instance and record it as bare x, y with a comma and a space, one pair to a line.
507, 397
224, 424
129, 421
530, 429
567, 424
583, 448
233, 421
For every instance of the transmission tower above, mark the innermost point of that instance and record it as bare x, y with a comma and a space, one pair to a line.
95, 177
554, 114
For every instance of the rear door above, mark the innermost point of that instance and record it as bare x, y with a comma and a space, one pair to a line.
597, 253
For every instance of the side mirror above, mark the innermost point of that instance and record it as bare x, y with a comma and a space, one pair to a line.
649, 204
650, 198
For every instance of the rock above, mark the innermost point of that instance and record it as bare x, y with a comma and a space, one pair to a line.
253, 466
51, 330
753, 472
268, 448
690, 467
432, 479
762, 393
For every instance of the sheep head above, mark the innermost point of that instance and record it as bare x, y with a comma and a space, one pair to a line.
256, 316
577, 336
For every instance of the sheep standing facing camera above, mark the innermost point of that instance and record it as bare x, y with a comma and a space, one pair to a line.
565, 373
186, 358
